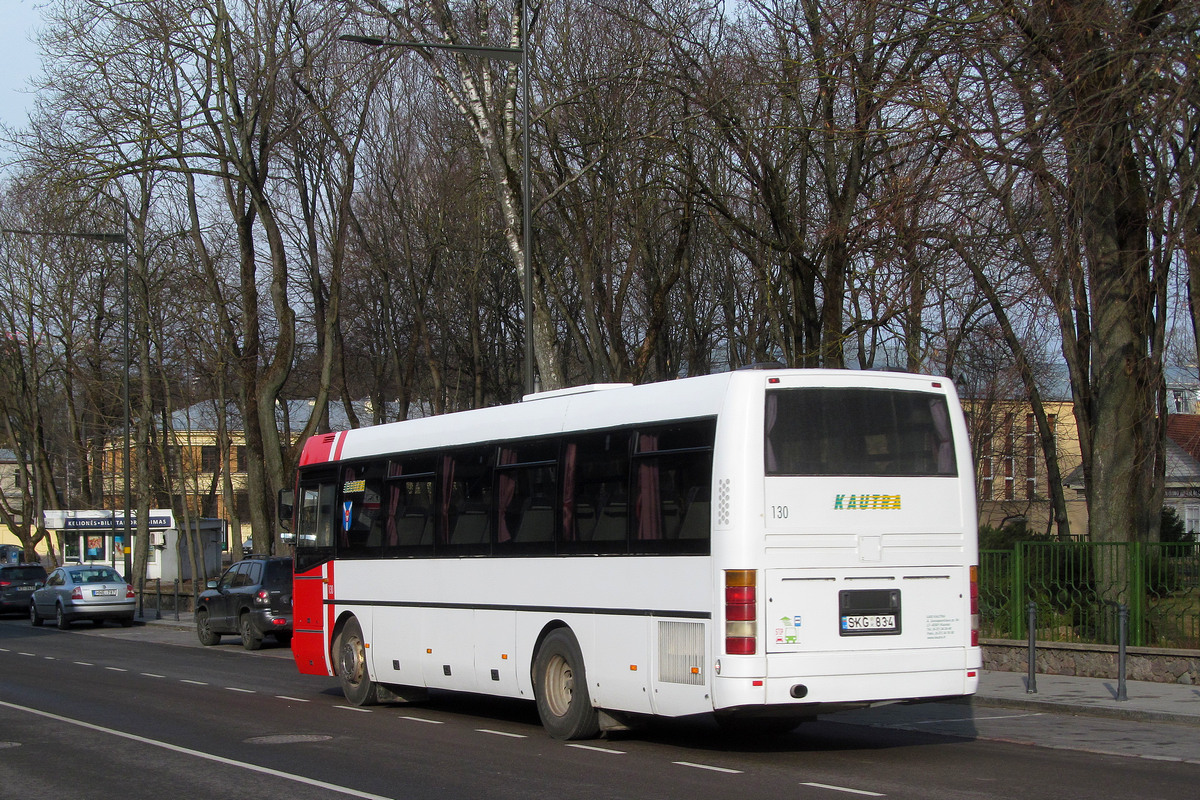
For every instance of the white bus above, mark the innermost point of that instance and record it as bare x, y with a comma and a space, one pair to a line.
765, 545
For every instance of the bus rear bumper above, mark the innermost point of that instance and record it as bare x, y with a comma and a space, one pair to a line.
825, 682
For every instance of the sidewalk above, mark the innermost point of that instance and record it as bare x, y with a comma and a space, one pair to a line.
1146, 701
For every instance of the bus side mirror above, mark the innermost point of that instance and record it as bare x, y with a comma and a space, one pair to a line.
287, 500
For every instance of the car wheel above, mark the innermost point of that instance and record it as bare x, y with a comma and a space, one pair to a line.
251, 639
126, 622
60, 618
204, 631
34, 617
98, 623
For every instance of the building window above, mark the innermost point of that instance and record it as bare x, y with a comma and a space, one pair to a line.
210, 458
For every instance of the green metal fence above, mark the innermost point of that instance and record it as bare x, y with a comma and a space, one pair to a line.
1078, 586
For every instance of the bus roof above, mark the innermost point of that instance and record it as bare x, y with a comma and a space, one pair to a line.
586, 408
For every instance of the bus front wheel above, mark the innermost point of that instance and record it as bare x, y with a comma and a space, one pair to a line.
560, 686
350, 656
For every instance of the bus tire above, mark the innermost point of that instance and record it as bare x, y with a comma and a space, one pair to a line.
560, 686
350, 659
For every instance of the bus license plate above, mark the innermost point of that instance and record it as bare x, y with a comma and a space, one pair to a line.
869, 612
880, 623
104, 593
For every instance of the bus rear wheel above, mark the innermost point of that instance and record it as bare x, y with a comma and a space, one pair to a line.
350, 657
560, 685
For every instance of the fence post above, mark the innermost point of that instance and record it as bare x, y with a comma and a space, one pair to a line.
1122, 633
1031, 681
1017, 589
1137, 593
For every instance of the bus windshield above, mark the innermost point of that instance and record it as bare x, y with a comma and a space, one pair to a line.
857, 431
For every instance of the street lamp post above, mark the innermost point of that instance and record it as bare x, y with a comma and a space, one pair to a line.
121, 238
513, 55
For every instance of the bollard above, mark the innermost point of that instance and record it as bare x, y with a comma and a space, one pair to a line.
1122, 632
158, 602
1031, 681
177, 599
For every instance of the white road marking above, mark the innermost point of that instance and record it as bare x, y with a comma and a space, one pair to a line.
422, 719
194, 683
975, 719
595, 749
709, 767
842, 789
293, 699
243, 691
198, 754
502, 733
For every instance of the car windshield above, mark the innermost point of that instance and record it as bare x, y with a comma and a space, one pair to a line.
95, 575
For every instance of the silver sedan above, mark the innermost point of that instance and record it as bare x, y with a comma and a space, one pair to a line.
83, 591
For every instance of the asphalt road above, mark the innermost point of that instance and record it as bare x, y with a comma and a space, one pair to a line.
138, 713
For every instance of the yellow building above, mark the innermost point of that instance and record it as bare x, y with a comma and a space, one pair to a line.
1010, 464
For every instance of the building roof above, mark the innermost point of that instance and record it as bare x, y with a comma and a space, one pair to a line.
202, 416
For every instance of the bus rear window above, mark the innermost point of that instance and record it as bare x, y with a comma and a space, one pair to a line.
854, 431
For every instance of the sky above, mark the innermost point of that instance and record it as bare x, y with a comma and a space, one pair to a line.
19, 19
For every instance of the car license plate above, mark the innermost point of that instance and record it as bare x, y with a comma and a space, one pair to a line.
104, 592
24, 588
870, 622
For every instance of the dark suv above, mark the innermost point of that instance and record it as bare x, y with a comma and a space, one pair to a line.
16, 586
253, 598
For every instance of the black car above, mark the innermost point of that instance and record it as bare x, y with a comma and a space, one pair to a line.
253, 598
16, 586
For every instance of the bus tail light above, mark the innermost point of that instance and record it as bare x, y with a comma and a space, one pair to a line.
974, 606
741, 612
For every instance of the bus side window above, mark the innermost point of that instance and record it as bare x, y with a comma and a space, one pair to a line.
525, 497
672, 480
465, 502
410, 507
595, 496
362, 521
